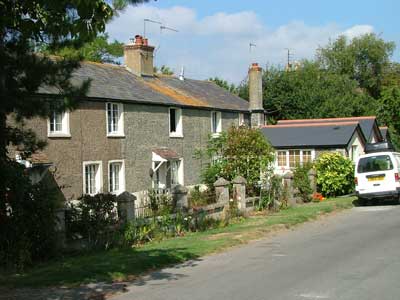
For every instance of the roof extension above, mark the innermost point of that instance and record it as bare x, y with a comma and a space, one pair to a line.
368, 124
317, 135
112, 82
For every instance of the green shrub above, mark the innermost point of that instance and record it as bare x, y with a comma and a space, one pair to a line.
335, 174
240, 151
201, 198
273, 190
302, 182
27, 219
93, 218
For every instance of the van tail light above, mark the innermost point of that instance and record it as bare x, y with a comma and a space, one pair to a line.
396, 177
356, 180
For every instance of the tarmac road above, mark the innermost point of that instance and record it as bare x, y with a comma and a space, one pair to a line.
353, 255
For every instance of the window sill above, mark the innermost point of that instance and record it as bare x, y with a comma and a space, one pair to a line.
115, 135
59, 135
176, 135
215, 134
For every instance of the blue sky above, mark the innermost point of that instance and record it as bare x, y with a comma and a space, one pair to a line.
214, 35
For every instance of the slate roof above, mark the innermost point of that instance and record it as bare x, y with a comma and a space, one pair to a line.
367, 124
112, 82
317, 135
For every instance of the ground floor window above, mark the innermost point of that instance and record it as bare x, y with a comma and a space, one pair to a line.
92, 177
116, 176
290, 158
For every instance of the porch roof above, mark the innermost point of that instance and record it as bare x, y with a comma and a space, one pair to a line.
167, 153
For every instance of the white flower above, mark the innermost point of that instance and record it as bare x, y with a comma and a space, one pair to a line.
231, 200
185, 219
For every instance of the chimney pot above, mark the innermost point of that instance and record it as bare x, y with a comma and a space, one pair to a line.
138, 40
145, 42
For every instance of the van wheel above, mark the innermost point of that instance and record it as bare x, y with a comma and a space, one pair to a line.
362, 202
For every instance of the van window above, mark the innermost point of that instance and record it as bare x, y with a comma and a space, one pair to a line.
375, 163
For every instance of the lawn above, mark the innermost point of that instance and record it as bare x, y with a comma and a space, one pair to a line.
127, 264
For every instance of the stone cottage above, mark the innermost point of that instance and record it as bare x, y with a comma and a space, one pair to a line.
137, 130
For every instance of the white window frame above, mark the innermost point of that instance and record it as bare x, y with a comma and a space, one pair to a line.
178, 122
121, 176
64, 132
120, 123
98, 179
241, 119
219, 123
287, 166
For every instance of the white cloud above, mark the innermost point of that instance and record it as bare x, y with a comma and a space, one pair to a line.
218, 45
358, 30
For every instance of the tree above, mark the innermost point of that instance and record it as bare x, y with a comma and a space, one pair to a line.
311, 92
224, 84
98, 50
389, 112
363, 59
26, 25
239, 151
165, 70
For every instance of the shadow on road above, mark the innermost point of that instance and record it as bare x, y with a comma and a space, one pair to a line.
375, 202
105, 273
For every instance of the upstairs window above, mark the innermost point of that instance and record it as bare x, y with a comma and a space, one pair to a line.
216, 122
116, 177
92, 178
175, 122
115, 119
58, 124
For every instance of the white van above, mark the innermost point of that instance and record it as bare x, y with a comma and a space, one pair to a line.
377, 176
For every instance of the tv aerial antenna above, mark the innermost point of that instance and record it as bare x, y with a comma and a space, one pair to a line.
162, 27
148, 21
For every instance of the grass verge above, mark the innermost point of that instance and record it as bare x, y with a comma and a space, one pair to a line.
127, 264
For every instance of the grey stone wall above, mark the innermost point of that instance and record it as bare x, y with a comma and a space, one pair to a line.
88, 142
145, 126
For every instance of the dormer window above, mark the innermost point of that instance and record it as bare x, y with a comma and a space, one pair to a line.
216, 127
58, 124
115, 122
175, 122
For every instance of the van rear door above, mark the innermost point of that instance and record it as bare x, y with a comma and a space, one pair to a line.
376, 173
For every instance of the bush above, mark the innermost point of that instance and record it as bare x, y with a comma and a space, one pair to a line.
302, 182
274, 190
335, 174
201, 198
93, 218
27, 219
143, 230
240, 151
